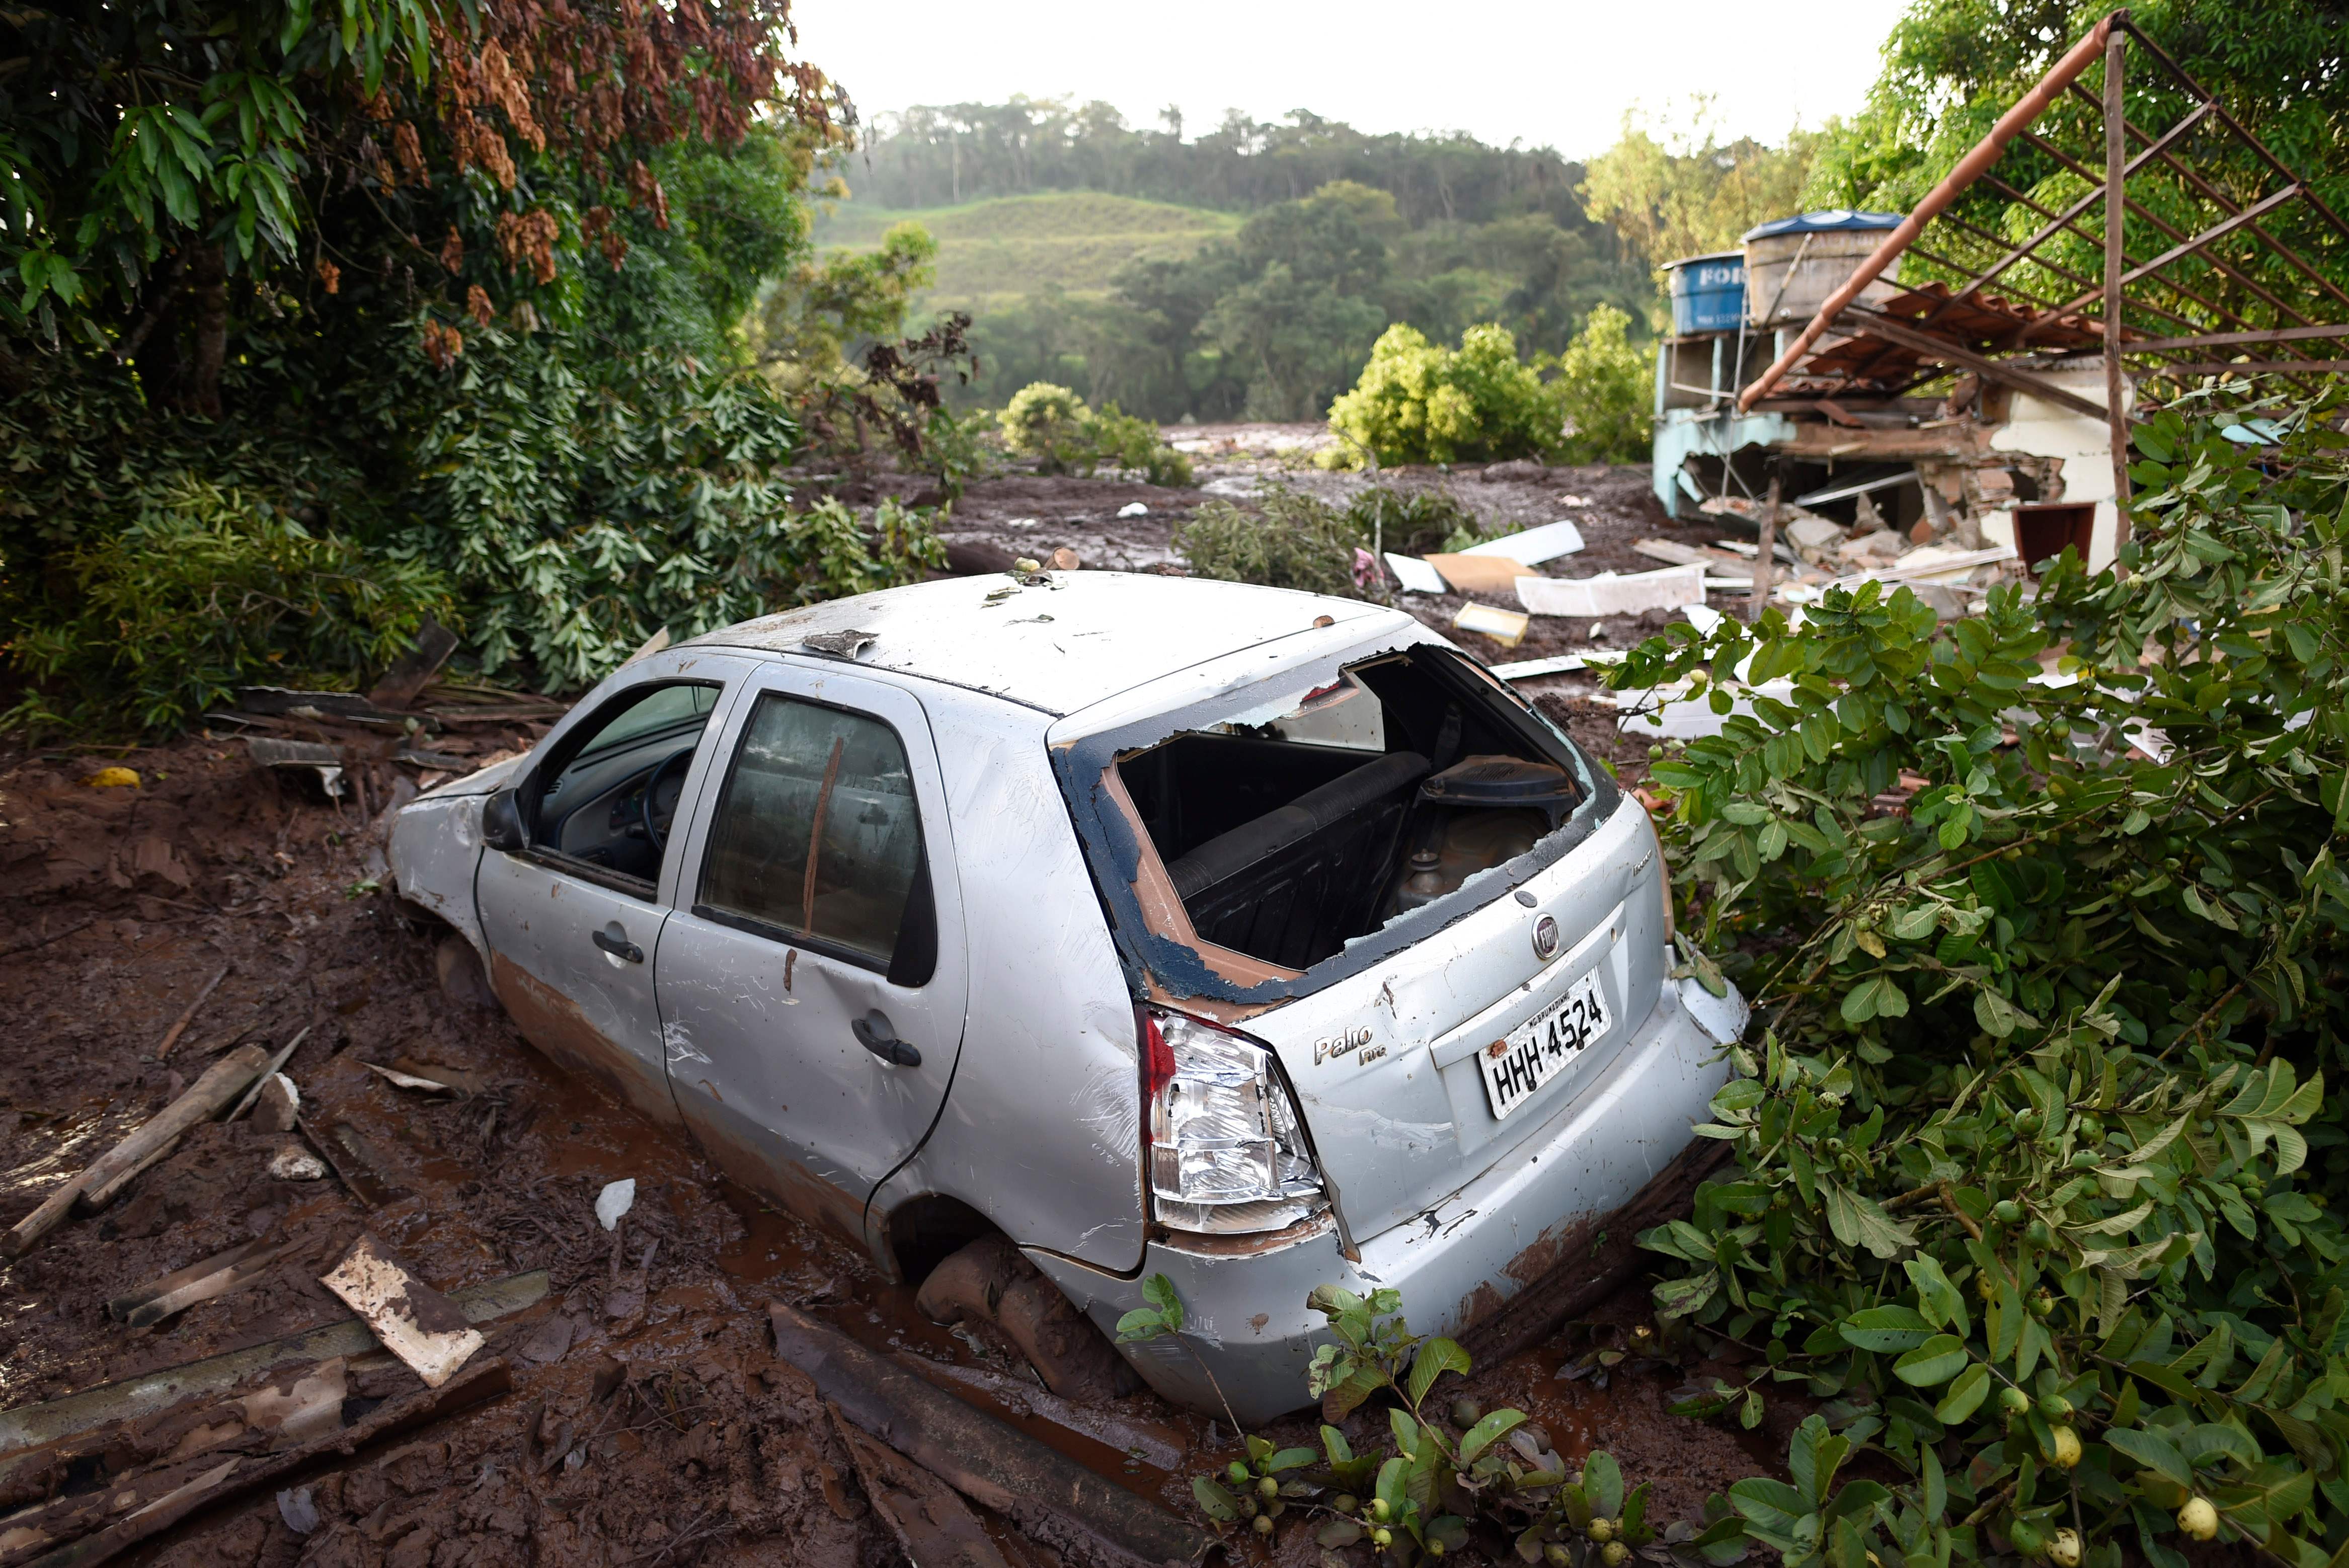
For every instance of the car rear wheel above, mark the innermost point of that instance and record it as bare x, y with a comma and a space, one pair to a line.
988, 1287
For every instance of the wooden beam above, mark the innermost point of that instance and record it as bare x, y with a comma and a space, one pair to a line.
1950, 353
2116, 218
2235, 339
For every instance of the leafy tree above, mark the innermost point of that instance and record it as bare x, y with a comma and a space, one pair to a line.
1419, 402
812, 317
1607, 390
1687, 192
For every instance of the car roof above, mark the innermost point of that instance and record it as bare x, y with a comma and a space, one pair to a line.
1087, 636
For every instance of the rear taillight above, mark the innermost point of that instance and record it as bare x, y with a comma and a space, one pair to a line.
1227, 1153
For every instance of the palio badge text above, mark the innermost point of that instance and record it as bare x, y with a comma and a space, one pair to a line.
1330, 1046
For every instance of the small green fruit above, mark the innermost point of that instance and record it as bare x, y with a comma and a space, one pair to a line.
2091, 1128
1601, 1531
2014, 1400
2028, 1537
1614, 1554
2199, 1519
1378, 1509
1382, 1537
2055, 1408
1263, 1525
1346, 1502
1557, 1556
2037, 1234
1267, 1487
2042, 1303
2085, 1160
1467, 1413
1237, 1471
1435, 1549
2007, 1212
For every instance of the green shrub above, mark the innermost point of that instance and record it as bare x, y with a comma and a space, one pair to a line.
1412, 522
1052, 425
207, 590
1606, 389
2037, 1183
1047, 423
1293, 540
1418, 402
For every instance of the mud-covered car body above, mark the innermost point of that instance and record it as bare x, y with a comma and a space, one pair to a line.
1258, 939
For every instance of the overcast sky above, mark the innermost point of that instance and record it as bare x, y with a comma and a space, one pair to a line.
1561, 73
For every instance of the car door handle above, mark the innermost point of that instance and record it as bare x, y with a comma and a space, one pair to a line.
887, 1047
619, 948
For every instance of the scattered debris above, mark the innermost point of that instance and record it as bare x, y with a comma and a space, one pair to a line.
1134, 509
408, 678
180, 1026
1534, 545
1507, 627
1530, 669
279, 1109
437, 761
1416, 575
401, 1079
839, 644
1087, 1518
295, 1163
1477, 574
97, 1186
346, 1150
323, 760
112, 778
215, 1276
929, 1521
270, 1070
1607, 593
1065, 560
34, 1425
415, 1322
298, 1509
1149, 1441
615, 1201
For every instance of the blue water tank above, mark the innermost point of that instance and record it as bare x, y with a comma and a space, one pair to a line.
1708, 293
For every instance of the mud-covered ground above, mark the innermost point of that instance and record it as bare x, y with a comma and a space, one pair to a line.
649, 1421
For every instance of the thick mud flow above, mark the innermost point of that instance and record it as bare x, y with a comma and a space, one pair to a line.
649, 1421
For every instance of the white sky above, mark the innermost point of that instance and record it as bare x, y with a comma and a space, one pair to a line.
1559, 74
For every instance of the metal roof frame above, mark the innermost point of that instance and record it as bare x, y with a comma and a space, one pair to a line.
2188, 223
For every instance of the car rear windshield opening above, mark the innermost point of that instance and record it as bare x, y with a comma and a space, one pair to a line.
1290, 830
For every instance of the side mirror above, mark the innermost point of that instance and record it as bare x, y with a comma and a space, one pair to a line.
502, 826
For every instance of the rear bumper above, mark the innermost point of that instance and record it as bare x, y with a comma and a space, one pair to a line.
1455, 1263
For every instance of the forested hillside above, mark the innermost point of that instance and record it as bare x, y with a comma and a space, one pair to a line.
1344, 234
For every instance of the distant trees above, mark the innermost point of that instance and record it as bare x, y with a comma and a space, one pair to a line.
1674, 190
949, 153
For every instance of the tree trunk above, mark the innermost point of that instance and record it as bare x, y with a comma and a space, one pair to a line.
208, 293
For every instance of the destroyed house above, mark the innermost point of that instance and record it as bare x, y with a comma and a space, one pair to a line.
1960, 378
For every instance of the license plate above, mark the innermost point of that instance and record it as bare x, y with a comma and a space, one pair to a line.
1533, 1051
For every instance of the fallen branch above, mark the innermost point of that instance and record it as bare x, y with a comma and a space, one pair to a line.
97, 1186
172, 1036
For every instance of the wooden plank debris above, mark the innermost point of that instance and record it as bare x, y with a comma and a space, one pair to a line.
97, 1186
415, 1322
414, 670
214, 1276
932, 1524
1088, 1518
33, 1427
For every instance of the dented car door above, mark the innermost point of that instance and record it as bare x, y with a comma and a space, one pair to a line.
811, 980
572, 917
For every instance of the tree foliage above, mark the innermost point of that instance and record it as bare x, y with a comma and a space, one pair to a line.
1674, 190
2035, 1162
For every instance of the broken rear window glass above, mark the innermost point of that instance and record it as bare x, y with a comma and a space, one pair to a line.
1313, 817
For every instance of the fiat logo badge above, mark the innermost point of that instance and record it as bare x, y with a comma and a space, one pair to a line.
1546, 938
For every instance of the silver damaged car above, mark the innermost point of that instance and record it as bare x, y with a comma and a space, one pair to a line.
1043, 933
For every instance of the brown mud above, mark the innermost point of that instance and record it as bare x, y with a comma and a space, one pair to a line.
649, 1421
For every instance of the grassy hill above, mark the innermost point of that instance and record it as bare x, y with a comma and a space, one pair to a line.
993, 253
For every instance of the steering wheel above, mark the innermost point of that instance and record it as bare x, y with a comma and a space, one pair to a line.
652, 785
